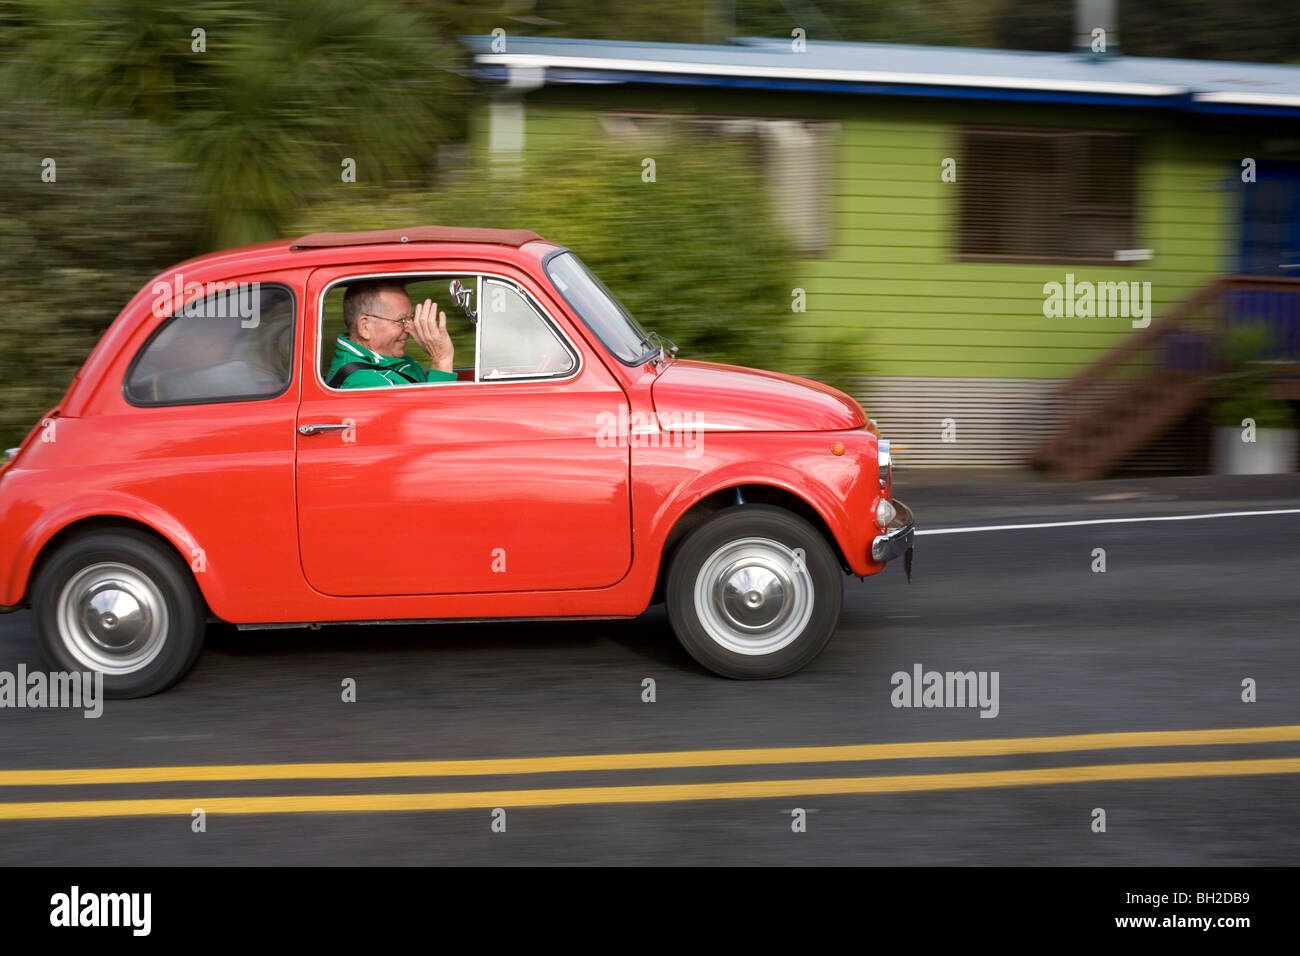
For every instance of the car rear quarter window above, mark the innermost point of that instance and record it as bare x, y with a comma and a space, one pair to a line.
235, 344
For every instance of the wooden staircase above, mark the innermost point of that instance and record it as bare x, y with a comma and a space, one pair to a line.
1133, 394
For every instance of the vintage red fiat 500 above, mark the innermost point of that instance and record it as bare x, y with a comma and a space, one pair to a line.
218, 457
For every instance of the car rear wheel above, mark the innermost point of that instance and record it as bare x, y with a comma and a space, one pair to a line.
122, 604
754, 592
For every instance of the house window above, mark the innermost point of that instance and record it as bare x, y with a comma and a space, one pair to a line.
794, 154
1047, 195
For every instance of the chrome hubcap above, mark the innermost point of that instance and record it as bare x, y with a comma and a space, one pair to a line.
112, 618
754, 596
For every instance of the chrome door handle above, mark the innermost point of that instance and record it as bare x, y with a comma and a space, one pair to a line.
317, 429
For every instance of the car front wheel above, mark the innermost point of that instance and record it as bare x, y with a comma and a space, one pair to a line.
120, 603
754, 592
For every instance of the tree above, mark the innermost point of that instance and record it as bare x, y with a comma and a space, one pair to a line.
76, 249
266, 100
1267, 31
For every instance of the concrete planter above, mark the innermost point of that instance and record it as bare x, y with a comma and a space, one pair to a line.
1272, 452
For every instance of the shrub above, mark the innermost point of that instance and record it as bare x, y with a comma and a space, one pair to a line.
691, 255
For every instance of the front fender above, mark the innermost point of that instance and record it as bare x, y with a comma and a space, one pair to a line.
841, 489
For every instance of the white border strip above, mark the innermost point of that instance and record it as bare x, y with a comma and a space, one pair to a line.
1250, 99
540, 61
1072, 524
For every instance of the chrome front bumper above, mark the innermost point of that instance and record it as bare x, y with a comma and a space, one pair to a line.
897, 539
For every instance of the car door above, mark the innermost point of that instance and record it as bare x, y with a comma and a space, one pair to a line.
500, 483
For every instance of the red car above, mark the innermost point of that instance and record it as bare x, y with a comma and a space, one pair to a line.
208, 464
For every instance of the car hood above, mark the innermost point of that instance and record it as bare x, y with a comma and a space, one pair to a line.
727, 397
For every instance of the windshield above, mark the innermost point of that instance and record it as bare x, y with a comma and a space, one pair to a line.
621, 334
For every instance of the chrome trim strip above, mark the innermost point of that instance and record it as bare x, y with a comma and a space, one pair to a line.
703, 427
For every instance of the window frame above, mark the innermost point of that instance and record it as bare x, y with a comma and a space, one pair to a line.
1049, 133
480, 274
532, 304
224, 400
636, 362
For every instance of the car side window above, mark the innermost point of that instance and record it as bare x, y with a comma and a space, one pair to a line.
460, 327
235, 344
515, 339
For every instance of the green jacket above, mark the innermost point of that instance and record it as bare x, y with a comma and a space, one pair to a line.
348, 351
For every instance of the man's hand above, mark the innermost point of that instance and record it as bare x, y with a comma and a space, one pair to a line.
432, 335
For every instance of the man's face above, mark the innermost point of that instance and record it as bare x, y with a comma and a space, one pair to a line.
382, 336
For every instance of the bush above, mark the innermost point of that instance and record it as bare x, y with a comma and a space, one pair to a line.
692, 255
1243, 390
74, 251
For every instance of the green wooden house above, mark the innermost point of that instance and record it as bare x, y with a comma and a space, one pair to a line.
1027, 242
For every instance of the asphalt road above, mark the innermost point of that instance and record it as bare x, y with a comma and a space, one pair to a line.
1161, 641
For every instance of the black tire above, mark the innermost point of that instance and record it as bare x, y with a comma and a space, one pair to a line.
754, 593
121, 603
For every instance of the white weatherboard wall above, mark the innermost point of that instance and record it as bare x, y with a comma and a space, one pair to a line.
999, 421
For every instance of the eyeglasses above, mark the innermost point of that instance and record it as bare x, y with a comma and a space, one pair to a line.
405, 321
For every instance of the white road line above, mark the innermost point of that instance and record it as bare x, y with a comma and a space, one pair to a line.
1071, 524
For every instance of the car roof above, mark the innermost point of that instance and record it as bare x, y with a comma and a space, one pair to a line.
501, 237
316, 249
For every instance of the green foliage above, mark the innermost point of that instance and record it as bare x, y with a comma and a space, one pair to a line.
74, 251
938, 22
692, 255
1265, 31
1267, 412
283, 93
1243, 390
843, 362
667, 21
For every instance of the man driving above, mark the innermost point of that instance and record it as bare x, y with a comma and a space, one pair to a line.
379, 317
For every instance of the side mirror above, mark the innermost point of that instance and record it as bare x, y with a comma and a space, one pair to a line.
462, 296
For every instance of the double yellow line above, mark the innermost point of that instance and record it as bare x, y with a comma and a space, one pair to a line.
650, 793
